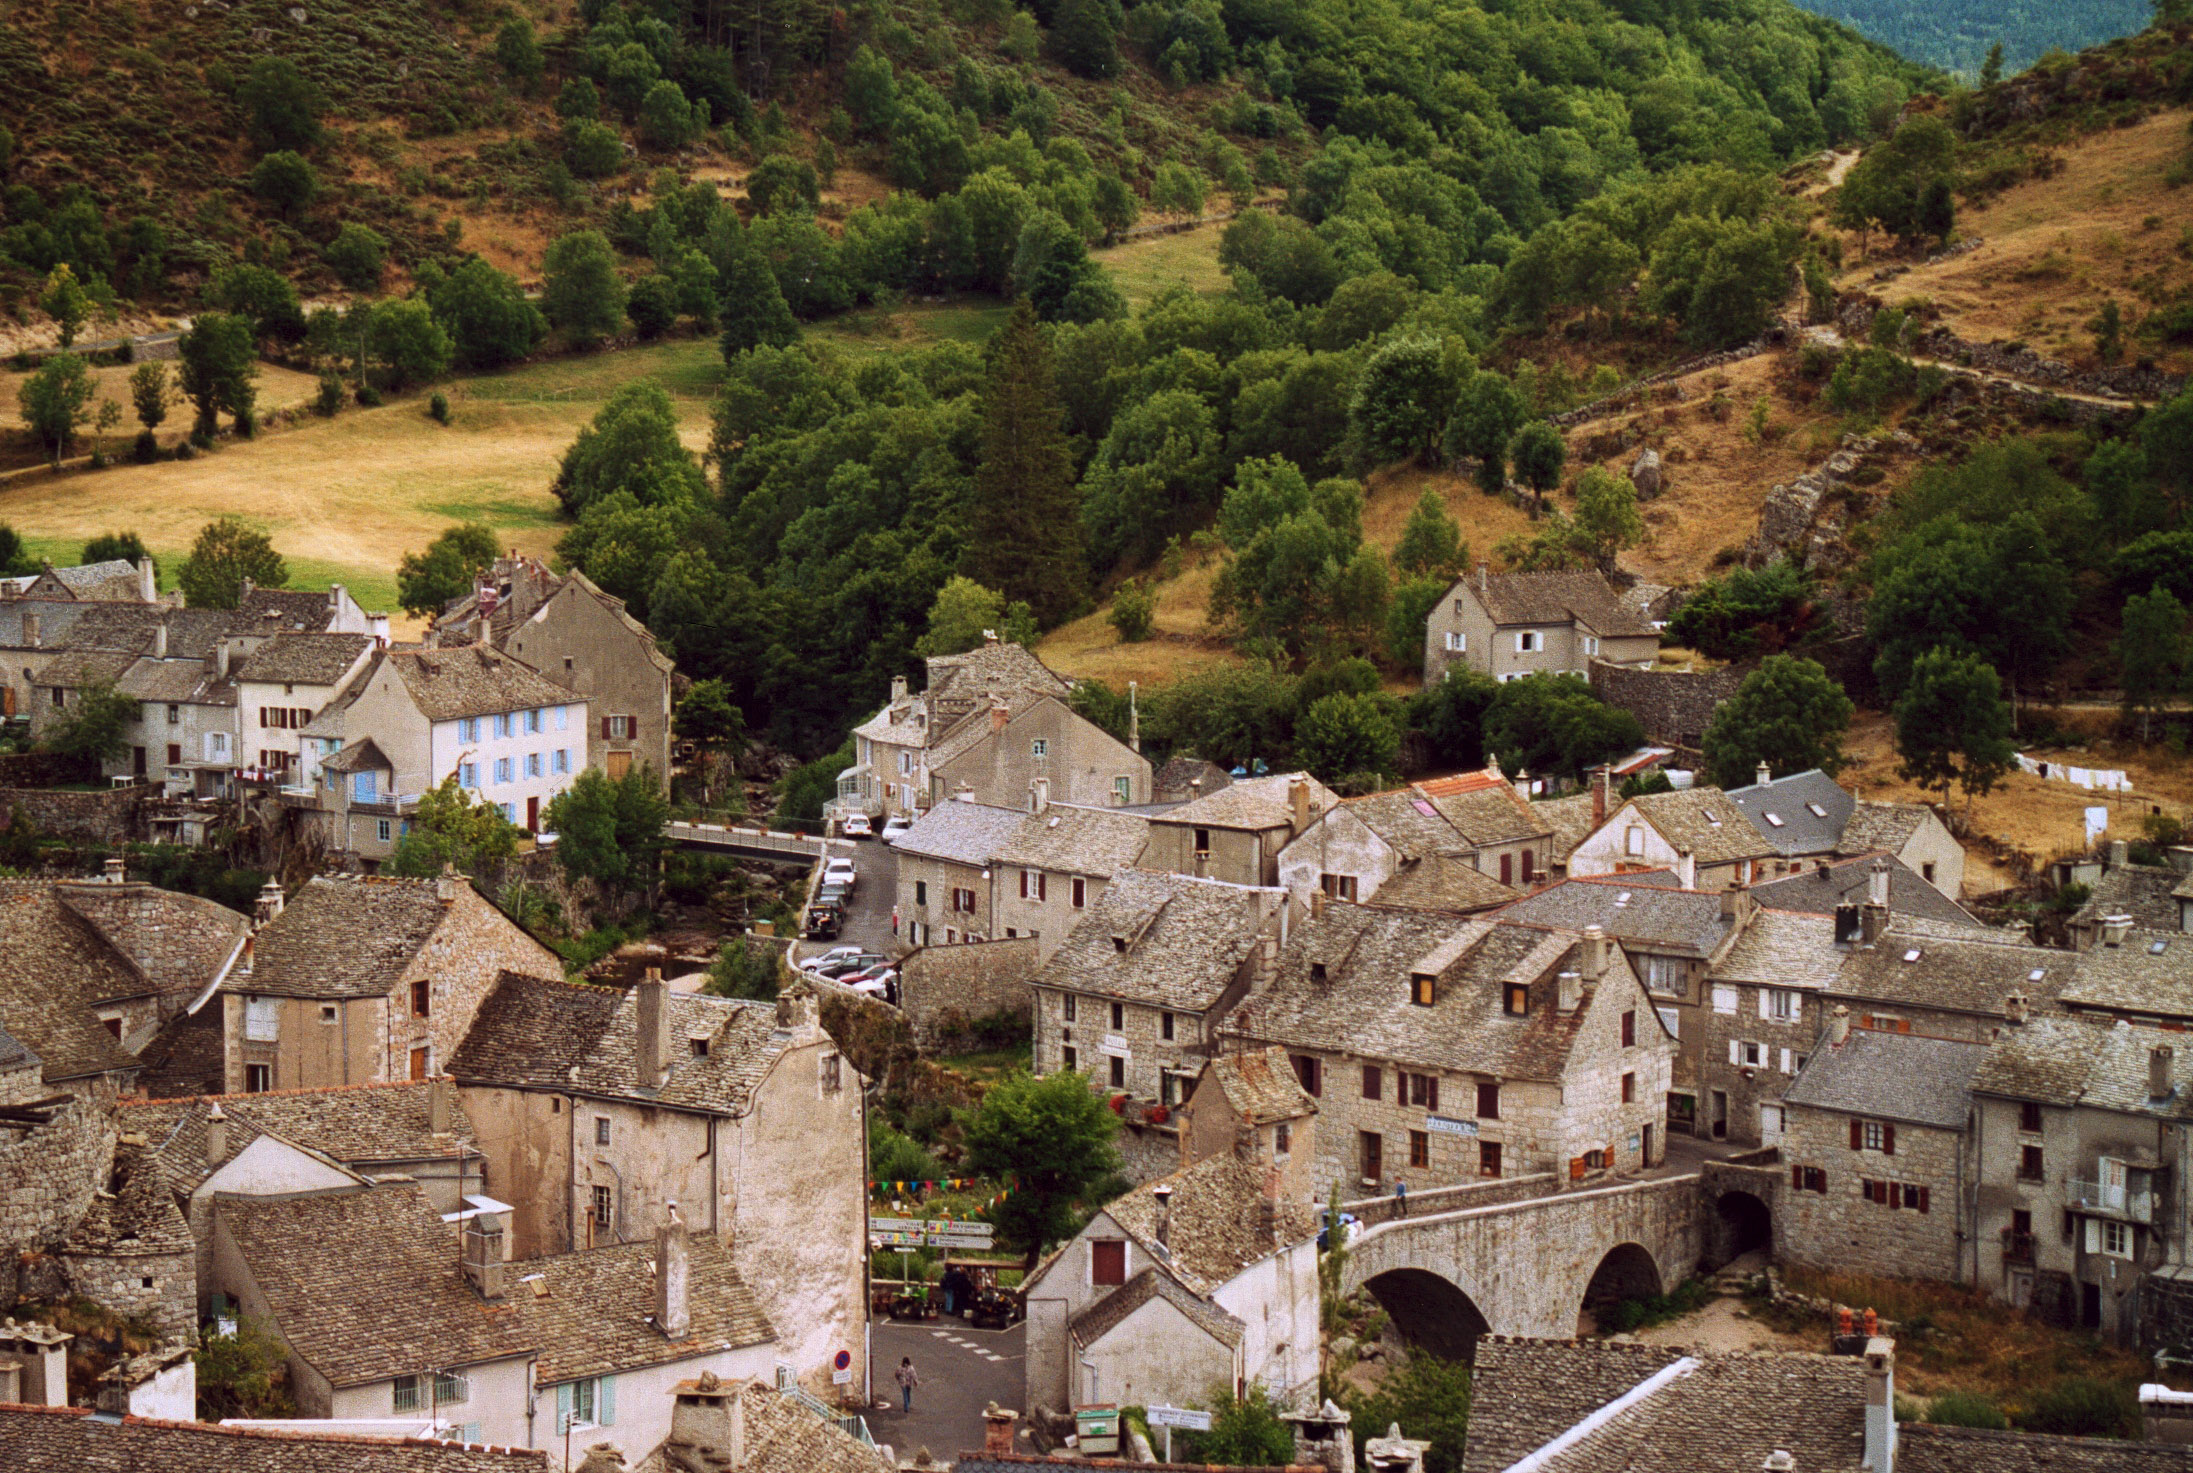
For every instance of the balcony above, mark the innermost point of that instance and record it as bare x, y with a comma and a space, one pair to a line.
2130, 1197
2017, 1246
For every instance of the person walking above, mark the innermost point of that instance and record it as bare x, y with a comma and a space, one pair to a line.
1401, 1197
908, 1379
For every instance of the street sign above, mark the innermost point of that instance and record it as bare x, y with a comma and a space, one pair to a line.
1441, 1125
1183, 1418
927, 1225
912, 1235
843, 1359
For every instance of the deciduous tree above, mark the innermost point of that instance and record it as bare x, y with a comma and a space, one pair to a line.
1789, 714
580, 293
2155, 654
55, 402
1953, 725
64, 300
426, 581
1050, 1137
226, 553
610, 830
450, 830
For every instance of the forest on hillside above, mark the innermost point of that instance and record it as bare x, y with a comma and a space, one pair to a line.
1956, 35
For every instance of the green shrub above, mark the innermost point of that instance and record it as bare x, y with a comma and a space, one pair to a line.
2082, 1406
369, 397
1966, 1409
1134, 611
146, 448
330, 397
437, 408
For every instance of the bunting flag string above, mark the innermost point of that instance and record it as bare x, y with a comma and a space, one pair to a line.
883, 1187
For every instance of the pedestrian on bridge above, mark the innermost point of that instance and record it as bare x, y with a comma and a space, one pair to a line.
1400, 1197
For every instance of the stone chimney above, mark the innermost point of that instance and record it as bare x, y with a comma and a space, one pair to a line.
220, 660
792, 1005
1881, 1405
1000, 713
989, 639
1483, 580
1602, 784
246, 590
709, 1418
997, 1430
2160, 1083
1872, 921
1595, 953
1762, 774
653, 1046
1317, 903
1394, 1453
483, 1255
1039, 795
216, 1136
111, 871
446, 883
1877, 883
898, 690
269, 904
42, 1353
160, 640
1839, 1026
1298, 803
1737, 905
334, 598
2017, 1007
148, 581
30, 628
1686, 869
1569, 991
1134, 720
1163, 1196
2115, 928
439, 1089
2120, 853
673, 1277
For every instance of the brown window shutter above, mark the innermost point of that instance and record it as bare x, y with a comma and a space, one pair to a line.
605, 728
1895, 1196
262, 716
1797, 1178
1043, 886
1857, 1136
1576, 1168
1024, 884
1435, 1092
1922, 1199
1888, 1140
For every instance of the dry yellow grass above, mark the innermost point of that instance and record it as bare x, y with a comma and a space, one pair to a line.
279, 388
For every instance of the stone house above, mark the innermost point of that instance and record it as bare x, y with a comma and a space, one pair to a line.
2140, 976
2079, 1137
508, 735
32, 632
172, 949
66, 1439
1237, 833
1808, 815
1509, 625
270, 611
1876, 1136
1760, 1017
1672, 938
1904, 974
1135, 996
131, 1251
117, 580
1056, 865
598, 1109
1698, 833
584, 640
1252, 1103
2126, 896
947, 883
1437, 845
1207, 1276
1825, 886
425, 1317
1441, 1051
280, 687
360, 979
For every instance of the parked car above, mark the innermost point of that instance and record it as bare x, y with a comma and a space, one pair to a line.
857, 826
823, 922
846, 966
834, 954
881, 971
840, 871
895, 825
833, 893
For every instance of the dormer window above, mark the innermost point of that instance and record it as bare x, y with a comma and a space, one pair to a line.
1518, 999
1423, 989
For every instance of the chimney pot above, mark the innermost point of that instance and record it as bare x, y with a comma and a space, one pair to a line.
30, 628
445, 885
160, 640
653, 1022
1569, 994
997, 1430
2120, 853
2115, 928
216, 1137
112, 872
1839, 1026
269, 904
1039, 795
2017, 1007
220, 660
1763, 774
673, 1277
247, 588
1163, 1195
1000, 713
1877, 883
1686, 869
1483, 580
898, 690
483, 1255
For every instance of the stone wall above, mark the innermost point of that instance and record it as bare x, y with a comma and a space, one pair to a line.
944, 986
1839, 1230
1674, 705
49, 1173
45, 770
111, 816
1631, 395
1370, 1210
161, 1288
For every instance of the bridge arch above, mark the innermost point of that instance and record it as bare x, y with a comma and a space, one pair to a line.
1431, 1311
1625, 1271
1742, 1223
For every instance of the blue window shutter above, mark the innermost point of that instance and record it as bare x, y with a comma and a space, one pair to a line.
563, 1407
606, 1401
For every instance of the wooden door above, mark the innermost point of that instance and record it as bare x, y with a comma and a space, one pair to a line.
533, 815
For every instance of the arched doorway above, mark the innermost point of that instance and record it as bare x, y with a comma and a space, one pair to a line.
1430, 1312
1741, 1224
1627, 1272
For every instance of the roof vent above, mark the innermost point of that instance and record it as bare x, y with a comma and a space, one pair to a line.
1780, 1461
1912, 955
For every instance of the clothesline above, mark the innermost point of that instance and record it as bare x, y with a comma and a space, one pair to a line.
2108, 780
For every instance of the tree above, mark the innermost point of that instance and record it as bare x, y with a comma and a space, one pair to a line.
667, 120
284, 180
1953, 726
66, 302
1025, 514
1431, 544
1607, 520
592, 150
357, 255
1539, 453
781, 182
450, 831
1744, 612
486, 314
226, 553
117, 547
1115, 205
1051, 1137
94, 725
630, 446
1134, 611
237, 1374
2107, 326
1292, 573
1487, 413
1401, 401
580, 101
652, 305
609, 830
754, 311
1177, 190
580, 293
1081, 34
408, 344
707, 719
1429, 1397
281, 106
2155, 653
1449, 714
871, 93
1991, 70
518, 53
1554, 726
261, 293
750, 969
150, 393
965, 613
1788, 714
428, 581
55, 403
1246, 1431
1343, 736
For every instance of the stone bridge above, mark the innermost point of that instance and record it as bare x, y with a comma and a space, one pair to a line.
1524, 1257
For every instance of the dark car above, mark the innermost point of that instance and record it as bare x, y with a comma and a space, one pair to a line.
823, 922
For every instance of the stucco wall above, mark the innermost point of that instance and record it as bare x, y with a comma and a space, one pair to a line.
527, 1139
1082, 760
581, 644
1237, 856
1157, 1356
1277, 1298
495, 1402
644, 1403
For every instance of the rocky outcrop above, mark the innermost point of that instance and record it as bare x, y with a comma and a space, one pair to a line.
1808, 520
1645, 474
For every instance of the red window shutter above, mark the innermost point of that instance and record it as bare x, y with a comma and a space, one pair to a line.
1922, 1199
1888, 1140
1043, 886
1857, 1136
606, 732
1108, 1262
1507, 869
1024, 884
262, 716
1435, 1092
1797, 1178
1629, 1030
1576, 1163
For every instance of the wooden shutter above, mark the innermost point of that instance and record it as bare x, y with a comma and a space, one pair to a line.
1435, 1093
1024, 884
1797, 1178
1043, 886
1857, 1136
605, 1402
1922, 1199
1108, 1261
1888, 1140
605, 728
1373, 1083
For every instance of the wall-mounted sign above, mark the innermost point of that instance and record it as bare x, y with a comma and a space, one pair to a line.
1442, 1125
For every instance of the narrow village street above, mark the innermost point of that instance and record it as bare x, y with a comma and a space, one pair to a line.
962, 1370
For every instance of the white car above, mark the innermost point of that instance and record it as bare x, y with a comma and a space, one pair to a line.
834, 954
895, 825
857, 826
840, 871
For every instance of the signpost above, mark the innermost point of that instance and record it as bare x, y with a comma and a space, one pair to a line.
841, 1369
1182, 1417
914, 1232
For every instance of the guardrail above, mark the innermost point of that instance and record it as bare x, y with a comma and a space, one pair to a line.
731, 836
850, 1424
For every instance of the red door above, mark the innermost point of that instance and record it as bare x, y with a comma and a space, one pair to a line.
533, 815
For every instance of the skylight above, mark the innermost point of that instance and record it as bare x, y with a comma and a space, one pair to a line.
1623, 898
1817, 810
1775, 819
1912, 955
2157, 948
2036, 974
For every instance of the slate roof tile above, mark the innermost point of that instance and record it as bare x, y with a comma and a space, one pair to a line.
1216, 1227
2063, 1059
343, 936
1251, 803
50, 1439
1822, 887
963, 833
596, 1317
303, 659
2149, 974
180, 942
1441, 882
1642, 915
1954, 970
360, 1125
1704, 821
1108, 1313
1077, 840
1167, 940
1259, 1086
54, 968
472, 680
1906, 1077
1556, 598
1803, 813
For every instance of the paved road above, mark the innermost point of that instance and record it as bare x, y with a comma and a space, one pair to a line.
962, 1370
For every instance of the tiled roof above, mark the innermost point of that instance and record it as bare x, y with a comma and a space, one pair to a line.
86, 576
2058, 1059
990, 669
1896, 1076
1108, 1313
303, 659
1216, 1227
180, 942
1570, 820
1259, 1086
184, 1057
1874, 825
1803, 813
1556, 598
472, 680
1076, 840
964, 833
1406, 821
2148, 975
1705, 822
1959, 971
1722, 1411
1643, 917
1823, 886
50, 1439
1441, 882
365, 1285
1251, 803
974, 1462
782, 1436
1922, 1447
139, 1219
12, 1053
81, 669
295, 610
1493, 815
574, 586
1171, 782
54, 966
343, 936
363, 756
56, 617
597, 1314
2145, 892
533, 1033
1167, 940
176, 682
1361, 1004
360, 1125
1783, 948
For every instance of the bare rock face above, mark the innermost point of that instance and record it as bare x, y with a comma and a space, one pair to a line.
1645, 474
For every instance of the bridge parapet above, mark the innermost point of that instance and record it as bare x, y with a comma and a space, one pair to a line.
1434, 1201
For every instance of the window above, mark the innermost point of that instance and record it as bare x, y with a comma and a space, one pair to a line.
532, 764
422, 1061
1666, 974
563, 713
601, 1130
258, 1078
1370, 1149
1309, 1071
1081, 892
1068, 1001
620, 728
406, 1396
1926, 871
833, 1073
2116, 1239
1165, 1025
1420, 1150
1518, 996
1040, 747
1528, 641
1458, 643
1123, 790
468, 728
2030, 1167
1108, 1261
502, 723
329, 1013
589, 1403
1629, 1029
921, 897
1422, 1090
1591, 644
1779, 1004
563, 760
697, 1047
468, 775
420, 996
1724, 1000
262, 1019
1488, 1158
502, 769
1507, 869
2029, 1117
1203, 842
1374, 1082
1629, 1089
380, 829
1488, 1101
1068, 1060
1119, 1072
1282, 1138
1633, 841
452, 1388
365, 787
510, 813
1423, 990
1119, 1017
1338, 887
533, 723
1873, 1135
1807, 1179
1745, 1055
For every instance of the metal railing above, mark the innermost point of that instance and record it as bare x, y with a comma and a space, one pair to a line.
2017, 1246
849, 1423
2118, 1199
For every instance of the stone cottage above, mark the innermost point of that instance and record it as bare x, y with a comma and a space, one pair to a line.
1698, 833
1237, 833
1808, 815
1252, 1103
1056, 864
1441, 845
947, 885
1509, 625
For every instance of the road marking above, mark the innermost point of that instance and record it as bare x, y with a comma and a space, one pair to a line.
943, 1333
